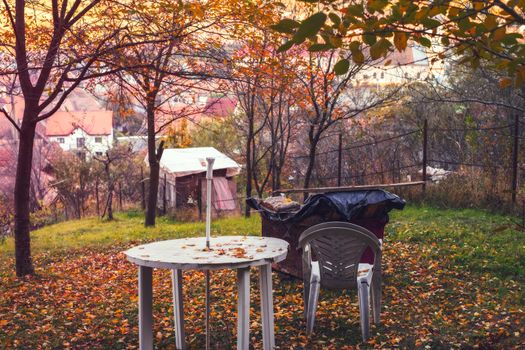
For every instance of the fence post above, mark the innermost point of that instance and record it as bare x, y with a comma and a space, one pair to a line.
425, 144
340, 160
394, 170
515, 145
164, 204
143, 188
398, 171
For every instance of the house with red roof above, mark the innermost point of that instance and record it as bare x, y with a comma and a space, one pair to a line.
172, 115
220, 107
82, 131
81, 126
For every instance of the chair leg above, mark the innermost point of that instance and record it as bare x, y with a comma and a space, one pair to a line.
376, 296
306, 295
364, 309
312, 306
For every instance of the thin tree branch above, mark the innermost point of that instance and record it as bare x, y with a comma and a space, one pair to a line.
10, 119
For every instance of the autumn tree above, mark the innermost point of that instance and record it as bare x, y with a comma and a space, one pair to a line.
223, 134
331, 97
264, 84
476, 30
178, 136
55, 46
161, 71
113, 159
279, 106
73, 181
264, 87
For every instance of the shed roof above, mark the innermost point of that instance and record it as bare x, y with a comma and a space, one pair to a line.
187, 161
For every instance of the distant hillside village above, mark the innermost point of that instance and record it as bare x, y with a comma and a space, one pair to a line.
89, 123
86, 124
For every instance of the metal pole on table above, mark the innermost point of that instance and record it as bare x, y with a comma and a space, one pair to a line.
209, 179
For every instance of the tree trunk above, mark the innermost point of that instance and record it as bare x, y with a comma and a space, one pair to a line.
276, 177
249, 165
143, 189
24, 264
311, 164
154, 167
151, 210
110, 205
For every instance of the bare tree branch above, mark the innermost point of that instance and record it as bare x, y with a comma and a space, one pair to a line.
11, 120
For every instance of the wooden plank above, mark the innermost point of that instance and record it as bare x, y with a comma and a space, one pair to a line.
350, 188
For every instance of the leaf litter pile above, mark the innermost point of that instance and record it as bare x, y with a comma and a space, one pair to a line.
88, 300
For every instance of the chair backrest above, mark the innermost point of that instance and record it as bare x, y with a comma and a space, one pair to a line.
338, 247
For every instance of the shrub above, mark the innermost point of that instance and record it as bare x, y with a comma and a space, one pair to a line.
475, 189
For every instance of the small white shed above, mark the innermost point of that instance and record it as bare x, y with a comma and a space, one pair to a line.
183, 179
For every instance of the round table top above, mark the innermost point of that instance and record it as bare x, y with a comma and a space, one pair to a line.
226, 252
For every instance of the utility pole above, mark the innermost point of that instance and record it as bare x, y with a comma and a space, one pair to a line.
340, 160
164, 201
515, 158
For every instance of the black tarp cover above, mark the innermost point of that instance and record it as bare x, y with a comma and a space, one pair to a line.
348, 204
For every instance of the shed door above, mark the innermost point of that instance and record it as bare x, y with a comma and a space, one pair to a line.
223, 196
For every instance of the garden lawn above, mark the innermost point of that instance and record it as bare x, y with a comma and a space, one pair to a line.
452, 279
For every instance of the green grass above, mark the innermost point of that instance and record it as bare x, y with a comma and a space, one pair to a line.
452, 278
474, 239
127, 227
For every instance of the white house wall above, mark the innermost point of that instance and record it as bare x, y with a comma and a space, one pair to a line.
90, 145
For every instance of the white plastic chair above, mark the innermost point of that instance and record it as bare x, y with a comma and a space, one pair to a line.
337, 248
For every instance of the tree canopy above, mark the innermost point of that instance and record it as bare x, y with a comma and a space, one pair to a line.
476, 30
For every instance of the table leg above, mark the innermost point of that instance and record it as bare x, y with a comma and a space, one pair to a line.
265, 284
243, 308
178, 309
145, 308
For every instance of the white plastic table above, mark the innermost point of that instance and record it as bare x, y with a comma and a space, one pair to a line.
227, 252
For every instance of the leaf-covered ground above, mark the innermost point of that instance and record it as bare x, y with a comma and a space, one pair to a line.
447, 284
